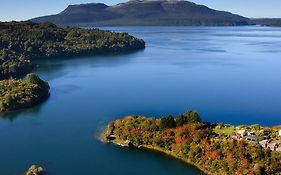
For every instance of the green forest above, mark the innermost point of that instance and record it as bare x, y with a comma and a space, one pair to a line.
188, 138
20, 42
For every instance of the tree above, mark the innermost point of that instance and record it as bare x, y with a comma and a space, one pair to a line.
34, 79
181, 120
167, 122
188, 117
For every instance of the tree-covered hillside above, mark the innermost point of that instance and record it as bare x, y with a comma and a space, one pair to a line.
198, 143
22, 41
12, 65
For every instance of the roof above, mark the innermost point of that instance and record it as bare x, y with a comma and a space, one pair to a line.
252, 138
263, 142
241, 131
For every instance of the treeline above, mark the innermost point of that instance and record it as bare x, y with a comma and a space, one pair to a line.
19, 94
193, 141
22, 41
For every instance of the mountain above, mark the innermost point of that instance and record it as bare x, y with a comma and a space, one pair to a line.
145, 13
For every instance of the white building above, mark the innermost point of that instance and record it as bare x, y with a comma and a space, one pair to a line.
243, 133
279, 133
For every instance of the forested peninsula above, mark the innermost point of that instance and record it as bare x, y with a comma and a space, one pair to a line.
23, 42
216, 149
20, 42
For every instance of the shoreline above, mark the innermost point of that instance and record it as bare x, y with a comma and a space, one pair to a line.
152, 148
121, 143
157, 149
37, 103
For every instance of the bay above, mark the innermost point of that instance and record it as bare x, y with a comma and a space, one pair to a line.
227, 74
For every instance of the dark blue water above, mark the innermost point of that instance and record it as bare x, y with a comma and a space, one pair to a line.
227, 74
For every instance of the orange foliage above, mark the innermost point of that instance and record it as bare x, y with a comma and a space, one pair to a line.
117, 123
239, 172
178, 140
181, 129
229, 158
212, 155
206, 143
127, 118
245, 163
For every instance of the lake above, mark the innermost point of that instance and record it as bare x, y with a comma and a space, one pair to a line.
227, 74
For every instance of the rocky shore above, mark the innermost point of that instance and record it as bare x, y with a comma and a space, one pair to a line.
35, 170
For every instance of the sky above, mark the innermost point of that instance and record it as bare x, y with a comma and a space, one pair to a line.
27, 9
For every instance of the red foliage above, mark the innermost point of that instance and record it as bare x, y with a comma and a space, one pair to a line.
243, 143
239, 172
117, 123
206, 143
181, 129
128, 118
245, 163
178, 140
212, 155
229, 158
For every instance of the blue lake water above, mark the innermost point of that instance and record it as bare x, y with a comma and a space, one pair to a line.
227, 74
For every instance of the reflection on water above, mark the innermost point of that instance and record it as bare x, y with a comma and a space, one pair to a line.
228, 74
58, 67
11, 116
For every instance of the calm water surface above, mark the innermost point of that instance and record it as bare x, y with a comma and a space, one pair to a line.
228, 74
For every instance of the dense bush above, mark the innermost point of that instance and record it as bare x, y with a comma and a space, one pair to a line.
12, 65
187, 117
167, 122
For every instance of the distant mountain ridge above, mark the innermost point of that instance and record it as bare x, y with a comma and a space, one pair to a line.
145, 13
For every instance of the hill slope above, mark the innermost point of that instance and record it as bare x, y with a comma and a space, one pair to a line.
141, 12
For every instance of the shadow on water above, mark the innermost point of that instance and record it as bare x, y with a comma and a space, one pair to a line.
11, 116
54, 67
102, 55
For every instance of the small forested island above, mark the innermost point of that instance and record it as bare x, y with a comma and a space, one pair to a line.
20, 94
216, 149
21, 42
